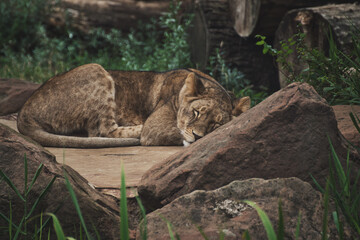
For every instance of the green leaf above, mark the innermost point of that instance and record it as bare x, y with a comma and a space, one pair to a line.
297, 231
37, 173
76, 204
11, 185
339, 169
356, 124
281, 227
57, 227
143, 224
171, 233
42, 194
246, 235
265, 220
202, 232
265, 50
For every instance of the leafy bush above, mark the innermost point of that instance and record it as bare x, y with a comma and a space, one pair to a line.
335, 75
160, 45
21, 22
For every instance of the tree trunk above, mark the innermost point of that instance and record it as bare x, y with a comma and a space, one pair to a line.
212, 27
263, 16
316, 22
119, 14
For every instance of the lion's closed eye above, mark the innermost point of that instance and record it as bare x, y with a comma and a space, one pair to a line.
196, 113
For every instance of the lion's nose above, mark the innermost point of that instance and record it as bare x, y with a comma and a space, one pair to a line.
197, 137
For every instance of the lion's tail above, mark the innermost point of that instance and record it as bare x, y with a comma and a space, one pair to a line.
52, 140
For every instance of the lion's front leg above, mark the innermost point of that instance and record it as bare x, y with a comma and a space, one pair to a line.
160, 128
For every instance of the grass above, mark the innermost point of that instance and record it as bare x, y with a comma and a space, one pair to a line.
333, 74
21, 227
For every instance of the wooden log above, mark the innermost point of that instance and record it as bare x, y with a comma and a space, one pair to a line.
212, 27
316, 23
263, 16
119, 14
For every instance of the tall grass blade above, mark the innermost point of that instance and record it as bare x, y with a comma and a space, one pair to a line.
171, 233
124, 225
13, 225
221, 235
96, 231
317, 184
202, 233
37, 173
57, 227
76, 203
11, 185
265, 220
338, 224
143, 224
18, 231
281, 227
356, 121
46, 222
246, 235
42, 194
297, 231
41, 225
339, 169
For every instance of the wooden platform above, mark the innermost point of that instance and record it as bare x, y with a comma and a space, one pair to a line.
102, 167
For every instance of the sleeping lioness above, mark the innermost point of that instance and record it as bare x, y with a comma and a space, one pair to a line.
91, 107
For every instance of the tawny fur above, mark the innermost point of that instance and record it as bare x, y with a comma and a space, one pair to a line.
91, 107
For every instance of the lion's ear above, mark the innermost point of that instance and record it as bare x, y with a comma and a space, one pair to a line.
192, 87
241, 105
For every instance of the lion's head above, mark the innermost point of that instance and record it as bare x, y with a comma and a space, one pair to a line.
203, 109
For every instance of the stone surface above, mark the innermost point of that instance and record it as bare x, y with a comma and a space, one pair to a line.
345, 124
14, 93
101, 167
224, 209
283, 136
96, 208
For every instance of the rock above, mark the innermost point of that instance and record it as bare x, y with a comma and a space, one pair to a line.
14, 93
224, 209
283, 136
97, 209
345, 125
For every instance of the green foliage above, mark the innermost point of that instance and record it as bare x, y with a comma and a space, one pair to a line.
143, 223
265, 220
335, 74
76, 204
21, 22
160, 50
159, 46
233, 80
345, 193
21, 228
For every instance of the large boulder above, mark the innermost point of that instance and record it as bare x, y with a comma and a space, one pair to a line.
14, 93
283, 136
98, 210
223, 210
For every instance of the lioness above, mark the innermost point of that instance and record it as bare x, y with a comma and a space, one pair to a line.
91, 107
